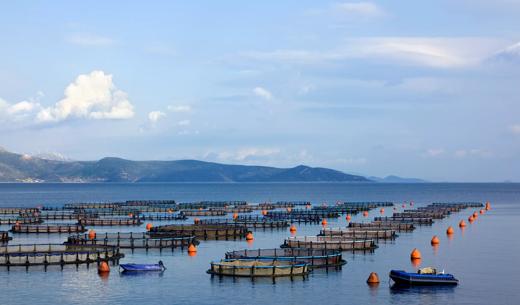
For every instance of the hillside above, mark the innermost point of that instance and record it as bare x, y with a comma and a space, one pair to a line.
23, 168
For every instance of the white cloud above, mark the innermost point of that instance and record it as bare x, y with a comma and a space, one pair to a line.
435, 152
474, 152
362, 9
179, 108
85, 39
243, 154
438, 52
23, 111
91, 96
155, 116
263, 93
515, 129
184, 123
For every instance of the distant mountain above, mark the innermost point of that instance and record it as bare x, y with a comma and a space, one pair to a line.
24, 168
396, 179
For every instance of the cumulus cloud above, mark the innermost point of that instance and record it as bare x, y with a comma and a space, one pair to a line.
362, 9
155, 116
85, 39
179, 108
263, 93
90, 96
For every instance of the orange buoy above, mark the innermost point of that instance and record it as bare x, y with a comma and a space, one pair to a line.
416, 254
475, 215
91, 234
435, 240
264, 212
462, 223
373, 278
365, 213
482, 211
471, 219
235, 215
449, 231
292, 228
196, 220
381, 210
192, 248
149, 226
488, 206
289, 210
249, 236
103, 267
324, 222
348, 217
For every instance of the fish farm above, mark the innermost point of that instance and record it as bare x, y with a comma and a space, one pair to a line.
178, 226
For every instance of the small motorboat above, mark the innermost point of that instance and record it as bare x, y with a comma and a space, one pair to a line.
424, 276
142, 267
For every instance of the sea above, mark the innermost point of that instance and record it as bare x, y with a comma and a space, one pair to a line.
484, 256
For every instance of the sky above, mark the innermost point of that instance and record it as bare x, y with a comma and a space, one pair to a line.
426, 89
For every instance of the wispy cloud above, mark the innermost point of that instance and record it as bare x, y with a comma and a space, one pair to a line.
242, 154
359, 9
184, 123
438, 52
86, 39
474, 152
435, 152
263, 93
515, 129
179, 108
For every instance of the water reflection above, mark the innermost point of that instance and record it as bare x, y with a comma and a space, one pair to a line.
416, 262
257, 280
421, 290
141, 274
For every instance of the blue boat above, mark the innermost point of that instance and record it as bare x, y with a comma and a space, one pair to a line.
143, 267
425, 277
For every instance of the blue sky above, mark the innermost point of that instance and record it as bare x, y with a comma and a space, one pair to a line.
424, 89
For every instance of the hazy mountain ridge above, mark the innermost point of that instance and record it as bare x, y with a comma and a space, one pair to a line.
24, 168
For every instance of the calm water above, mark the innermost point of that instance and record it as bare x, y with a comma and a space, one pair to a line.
484, 256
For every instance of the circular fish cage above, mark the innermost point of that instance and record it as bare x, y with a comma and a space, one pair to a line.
258, 268
56, 254
315, 258
328, 242
132, 240
210, 231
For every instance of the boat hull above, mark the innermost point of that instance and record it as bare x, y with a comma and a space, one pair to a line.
141, 267
415, 279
